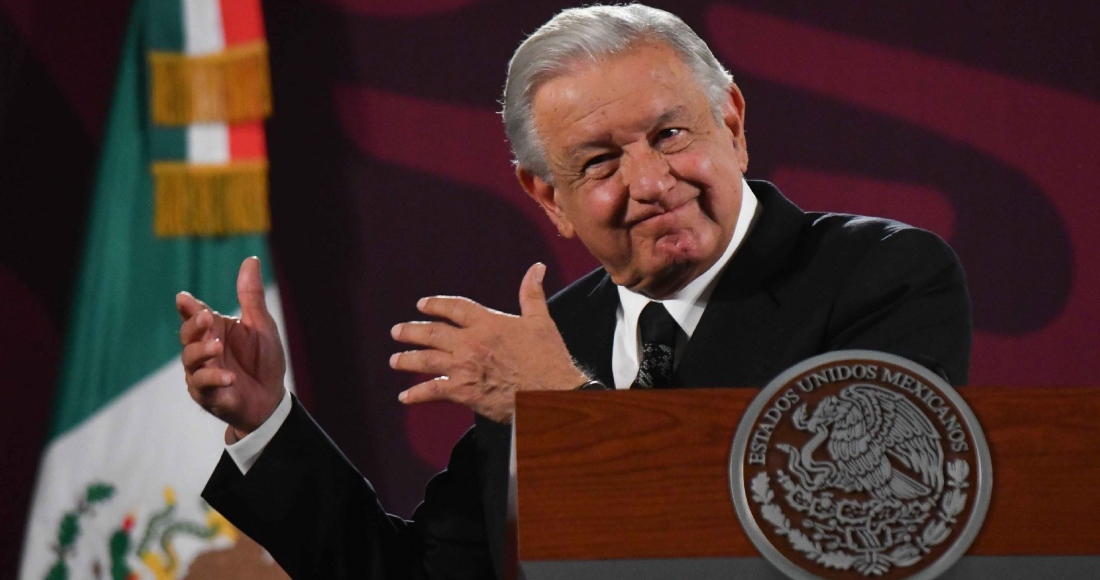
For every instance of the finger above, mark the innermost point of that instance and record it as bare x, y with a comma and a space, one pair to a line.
198, 354
188, 306
532, 298
250, 294
193, 329
216, 400
210, 378
437, 389
459, 310
438, 335
428, 362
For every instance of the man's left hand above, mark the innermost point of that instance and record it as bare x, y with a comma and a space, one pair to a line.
484, 356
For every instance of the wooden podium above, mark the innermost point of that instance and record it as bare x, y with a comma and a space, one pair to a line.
635, 484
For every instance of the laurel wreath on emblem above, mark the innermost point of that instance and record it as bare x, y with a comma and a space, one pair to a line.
69, 528
827, 519
164, 525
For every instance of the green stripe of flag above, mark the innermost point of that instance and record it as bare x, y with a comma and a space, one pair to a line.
164, 32
164, 26
167, 143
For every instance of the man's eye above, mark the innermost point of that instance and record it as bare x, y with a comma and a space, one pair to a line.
667, 134
670, 140
670, 132
599, 166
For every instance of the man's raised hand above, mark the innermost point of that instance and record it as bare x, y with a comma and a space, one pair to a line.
482, 356
234, 366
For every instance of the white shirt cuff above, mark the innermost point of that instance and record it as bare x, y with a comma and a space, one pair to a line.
246, 451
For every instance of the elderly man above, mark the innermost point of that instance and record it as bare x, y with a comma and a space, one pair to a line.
631, 136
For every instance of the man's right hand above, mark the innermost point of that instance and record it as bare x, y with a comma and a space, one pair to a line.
234, 367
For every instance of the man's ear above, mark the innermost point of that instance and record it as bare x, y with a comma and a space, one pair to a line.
733, 115
546, 196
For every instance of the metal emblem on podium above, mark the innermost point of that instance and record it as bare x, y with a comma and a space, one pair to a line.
859, 464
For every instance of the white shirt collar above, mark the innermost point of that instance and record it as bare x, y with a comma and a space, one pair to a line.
686, 306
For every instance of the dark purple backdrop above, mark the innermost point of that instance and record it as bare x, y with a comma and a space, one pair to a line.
390, 180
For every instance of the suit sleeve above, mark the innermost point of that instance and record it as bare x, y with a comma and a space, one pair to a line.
907, 296
319, 518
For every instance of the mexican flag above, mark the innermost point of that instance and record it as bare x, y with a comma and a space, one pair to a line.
180, 200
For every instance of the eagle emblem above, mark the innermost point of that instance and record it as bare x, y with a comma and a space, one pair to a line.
860, 462
878, 442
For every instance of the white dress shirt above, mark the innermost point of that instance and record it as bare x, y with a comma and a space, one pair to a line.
246, 451
686, 308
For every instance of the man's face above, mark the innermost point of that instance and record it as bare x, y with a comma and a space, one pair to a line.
643, 173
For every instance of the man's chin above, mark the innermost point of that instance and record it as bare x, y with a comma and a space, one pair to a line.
672, 255
668, 265
667, 276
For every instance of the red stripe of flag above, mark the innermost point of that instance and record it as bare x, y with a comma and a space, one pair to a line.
246, 141
243, 21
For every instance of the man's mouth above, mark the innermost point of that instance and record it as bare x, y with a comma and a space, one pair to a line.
660, 218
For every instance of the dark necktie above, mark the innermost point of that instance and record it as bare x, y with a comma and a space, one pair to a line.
658, 331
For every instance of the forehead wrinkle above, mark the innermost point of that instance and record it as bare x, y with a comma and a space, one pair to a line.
568, 98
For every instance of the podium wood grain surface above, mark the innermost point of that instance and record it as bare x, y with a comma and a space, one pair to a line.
607, 475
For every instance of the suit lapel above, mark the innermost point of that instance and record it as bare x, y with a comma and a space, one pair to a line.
730, 346
593, 348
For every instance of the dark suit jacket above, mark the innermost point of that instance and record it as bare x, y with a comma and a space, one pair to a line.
801, 284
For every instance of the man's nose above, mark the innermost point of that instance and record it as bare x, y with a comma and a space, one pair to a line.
646, 174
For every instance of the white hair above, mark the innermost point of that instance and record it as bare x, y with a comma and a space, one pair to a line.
589, 34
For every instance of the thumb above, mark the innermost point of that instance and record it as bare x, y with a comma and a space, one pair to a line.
250, 293
532, 298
